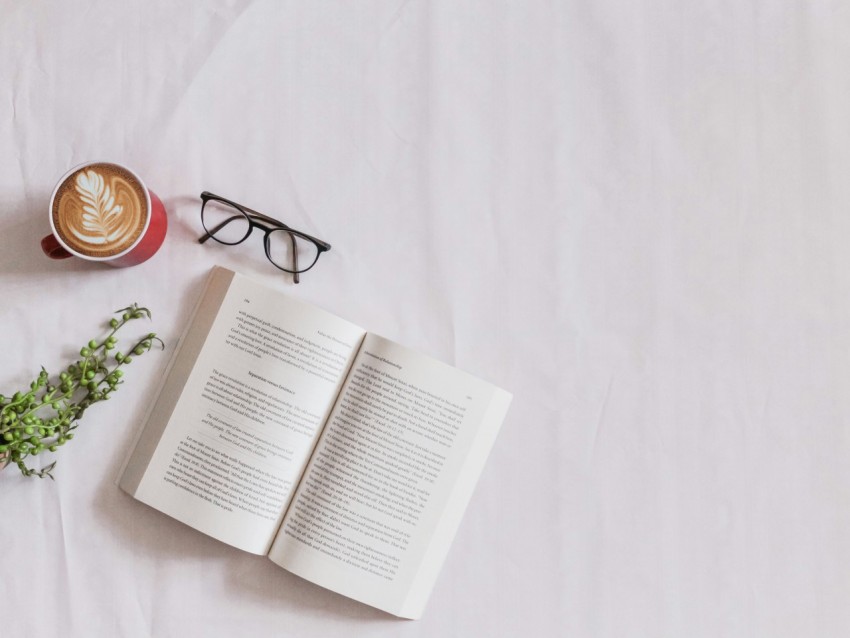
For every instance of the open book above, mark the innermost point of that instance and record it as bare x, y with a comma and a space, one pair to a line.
284, 430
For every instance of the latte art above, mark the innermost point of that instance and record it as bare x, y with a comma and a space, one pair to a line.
100, 210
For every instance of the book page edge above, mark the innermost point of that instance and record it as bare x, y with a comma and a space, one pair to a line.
174, 378
417, 598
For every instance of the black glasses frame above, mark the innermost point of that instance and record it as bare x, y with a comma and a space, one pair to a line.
254, 220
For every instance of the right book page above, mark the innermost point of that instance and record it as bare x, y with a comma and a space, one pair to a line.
386, 487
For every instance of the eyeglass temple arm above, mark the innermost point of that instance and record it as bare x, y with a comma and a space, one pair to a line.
207, 195
295, 277
322, 244
213, 231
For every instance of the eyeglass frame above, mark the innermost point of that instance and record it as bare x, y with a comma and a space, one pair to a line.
248, 213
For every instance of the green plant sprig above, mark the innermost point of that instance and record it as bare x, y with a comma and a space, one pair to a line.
45, 417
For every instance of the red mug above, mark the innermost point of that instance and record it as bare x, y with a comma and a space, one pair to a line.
149, 239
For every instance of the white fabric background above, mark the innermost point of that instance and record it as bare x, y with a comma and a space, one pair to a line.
632, 215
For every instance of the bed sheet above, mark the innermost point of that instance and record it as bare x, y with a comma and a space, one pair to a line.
632, 216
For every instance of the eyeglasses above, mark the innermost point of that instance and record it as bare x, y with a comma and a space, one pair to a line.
230, 223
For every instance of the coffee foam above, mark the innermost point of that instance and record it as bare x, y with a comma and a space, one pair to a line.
100, 210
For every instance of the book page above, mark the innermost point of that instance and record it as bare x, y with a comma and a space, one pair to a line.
384, 492
240, 411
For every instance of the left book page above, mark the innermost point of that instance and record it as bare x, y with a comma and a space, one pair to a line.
240, 408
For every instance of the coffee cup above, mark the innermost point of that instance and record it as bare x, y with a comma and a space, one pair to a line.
103, 211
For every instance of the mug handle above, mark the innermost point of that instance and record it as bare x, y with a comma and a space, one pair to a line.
52, 248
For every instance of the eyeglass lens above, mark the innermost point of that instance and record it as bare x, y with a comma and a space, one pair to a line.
291, 252
226, 224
